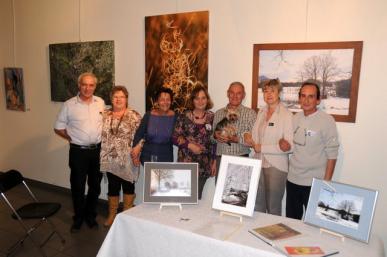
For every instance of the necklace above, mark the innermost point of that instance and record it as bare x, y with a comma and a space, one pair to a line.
198, 117
118, 125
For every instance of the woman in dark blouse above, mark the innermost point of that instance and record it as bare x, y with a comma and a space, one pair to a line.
153, 138
192, 135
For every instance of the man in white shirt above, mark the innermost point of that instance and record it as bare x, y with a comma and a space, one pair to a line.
80, 123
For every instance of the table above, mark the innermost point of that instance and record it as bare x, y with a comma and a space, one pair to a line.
199, 231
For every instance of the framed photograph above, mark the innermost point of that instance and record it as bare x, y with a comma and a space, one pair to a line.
341, 208
14, 89
237, 184
167, 182
334, 66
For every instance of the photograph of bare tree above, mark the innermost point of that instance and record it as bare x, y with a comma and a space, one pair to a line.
69, 60
344, 209
335, 67
341, 208
166, 182
236, 187
176, 55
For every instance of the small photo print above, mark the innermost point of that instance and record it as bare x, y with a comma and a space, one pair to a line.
14, 89
340, 208
169, 182
236, 186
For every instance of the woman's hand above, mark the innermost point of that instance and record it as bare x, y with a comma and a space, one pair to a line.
257, 148
196, 148
248, 139
213, 168
284, 145
136, 151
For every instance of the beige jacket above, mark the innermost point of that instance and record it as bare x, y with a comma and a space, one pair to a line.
279, 126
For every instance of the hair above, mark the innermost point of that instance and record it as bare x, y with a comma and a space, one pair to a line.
194, 93
272, 83
237, 83
87, 74
164, 90
308, 83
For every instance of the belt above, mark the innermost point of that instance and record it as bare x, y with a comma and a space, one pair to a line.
86, 147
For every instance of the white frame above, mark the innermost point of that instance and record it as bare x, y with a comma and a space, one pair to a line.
248, 210
369, 197
192, 167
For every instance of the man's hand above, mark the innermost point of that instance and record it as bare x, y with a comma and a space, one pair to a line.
220, 138
248, 139
63, 134
284, 145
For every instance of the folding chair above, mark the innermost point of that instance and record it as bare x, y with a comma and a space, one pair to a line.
33, 210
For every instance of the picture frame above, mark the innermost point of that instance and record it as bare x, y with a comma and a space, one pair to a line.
334, 66
167, 182
237, 184
341, 208
14, 89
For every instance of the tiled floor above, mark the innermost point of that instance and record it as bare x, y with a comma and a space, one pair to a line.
83, 244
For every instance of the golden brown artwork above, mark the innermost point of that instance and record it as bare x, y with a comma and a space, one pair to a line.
176, 55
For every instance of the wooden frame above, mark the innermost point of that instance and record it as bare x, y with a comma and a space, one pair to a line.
236, 188
335, 66
167, 182
341, 208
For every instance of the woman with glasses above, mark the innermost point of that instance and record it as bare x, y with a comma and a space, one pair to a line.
272, 139
119, 125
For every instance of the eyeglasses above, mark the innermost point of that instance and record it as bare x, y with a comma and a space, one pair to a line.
299, 136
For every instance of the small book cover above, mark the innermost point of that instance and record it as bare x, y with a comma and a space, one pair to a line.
274, 232
303, 250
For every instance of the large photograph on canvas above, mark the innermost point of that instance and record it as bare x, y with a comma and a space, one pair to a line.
176, 55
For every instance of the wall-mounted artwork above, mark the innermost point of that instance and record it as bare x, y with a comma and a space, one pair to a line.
69, 60
334, 66
14, 89
176, 55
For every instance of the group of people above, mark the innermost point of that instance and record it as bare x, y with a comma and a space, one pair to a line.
117, 141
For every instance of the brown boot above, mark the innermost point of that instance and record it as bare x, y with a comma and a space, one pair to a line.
128, 201
113, 206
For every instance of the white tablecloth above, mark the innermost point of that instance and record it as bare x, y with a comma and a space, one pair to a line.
199, 231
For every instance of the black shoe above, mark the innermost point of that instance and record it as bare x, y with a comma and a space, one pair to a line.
91, 223
76, 227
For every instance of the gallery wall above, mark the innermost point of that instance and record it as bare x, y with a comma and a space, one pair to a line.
27, 139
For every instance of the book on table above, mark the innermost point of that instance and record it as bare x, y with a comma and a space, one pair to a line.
274, 232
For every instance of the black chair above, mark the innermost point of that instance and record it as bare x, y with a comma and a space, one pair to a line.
34, 210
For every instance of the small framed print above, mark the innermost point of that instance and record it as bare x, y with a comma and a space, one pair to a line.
341, 208
167, 182
236, 188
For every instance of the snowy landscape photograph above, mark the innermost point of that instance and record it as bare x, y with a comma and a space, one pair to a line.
167, 182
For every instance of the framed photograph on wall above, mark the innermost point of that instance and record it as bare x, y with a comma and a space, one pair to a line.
237, 184
167, 182
334, 66
341, 208
14, 89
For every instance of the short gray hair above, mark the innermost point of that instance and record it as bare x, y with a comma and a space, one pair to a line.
87, 74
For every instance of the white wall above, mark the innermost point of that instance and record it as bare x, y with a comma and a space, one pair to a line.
27, 139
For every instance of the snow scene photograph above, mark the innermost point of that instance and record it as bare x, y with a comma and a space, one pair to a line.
340, 208
167, 182
236, 186
331, 69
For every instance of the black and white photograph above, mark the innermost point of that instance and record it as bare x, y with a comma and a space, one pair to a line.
237, 184
345, 209
236, 188
165, 182
341, 208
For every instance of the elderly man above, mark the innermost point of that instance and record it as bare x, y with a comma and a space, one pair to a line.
315, 150
231, 123
80, 123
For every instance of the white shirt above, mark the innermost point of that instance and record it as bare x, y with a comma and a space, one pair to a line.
82, 121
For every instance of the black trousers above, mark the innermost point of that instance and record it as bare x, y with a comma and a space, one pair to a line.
84, 165
115, 184
296, 198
